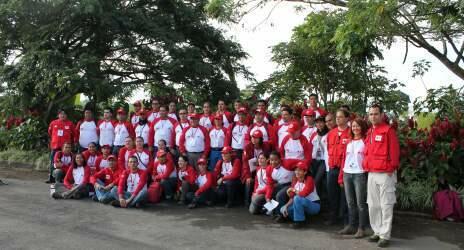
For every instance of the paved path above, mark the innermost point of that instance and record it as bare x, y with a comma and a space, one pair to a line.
29, 219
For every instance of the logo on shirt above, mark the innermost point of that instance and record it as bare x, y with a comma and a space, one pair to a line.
378, 138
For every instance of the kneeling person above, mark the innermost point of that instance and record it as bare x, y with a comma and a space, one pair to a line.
228, 177
261, 193
202, 192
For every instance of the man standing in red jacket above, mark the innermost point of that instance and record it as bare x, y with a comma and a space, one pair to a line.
382, 155
60, 131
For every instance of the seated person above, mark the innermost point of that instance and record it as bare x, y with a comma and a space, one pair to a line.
186, 179
132, 188
164, 176
303, 197
261, 192
62, 162
104, 180
75, 182
227, 173
202, 192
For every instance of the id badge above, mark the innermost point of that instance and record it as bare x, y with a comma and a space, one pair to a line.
60, 132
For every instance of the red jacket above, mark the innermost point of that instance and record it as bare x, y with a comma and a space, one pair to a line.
122, 157
209, 184
60, 132
308, 187
248, 154
336, 146
87, 155
107, 175
307, 151
265, 191
188, 175
270, 180
161, 176
234, 175
98, 162
123, 181
60, 157
69, 178
269, 130
382, 150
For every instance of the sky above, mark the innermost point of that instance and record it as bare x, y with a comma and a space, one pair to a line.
258, 32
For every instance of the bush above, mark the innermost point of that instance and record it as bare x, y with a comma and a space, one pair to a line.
30, 135
416, 195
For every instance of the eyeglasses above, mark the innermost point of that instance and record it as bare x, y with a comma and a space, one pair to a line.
182, 113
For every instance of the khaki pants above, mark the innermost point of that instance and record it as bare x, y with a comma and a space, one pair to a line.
381, 199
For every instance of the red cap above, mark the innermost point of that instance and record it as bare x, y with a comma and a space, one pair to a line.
242, 110
309, 112
226, 150
260, 111
201, 161
137, 103
218, 117
111, 157
293, 127
160, 153
257, 134
121, 111
302, 165
194, 116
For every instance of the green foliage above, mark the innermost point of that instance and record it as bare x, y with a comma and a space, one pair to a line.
38, 159
309, 63
415, 195
445, 102
30, 135
50, 51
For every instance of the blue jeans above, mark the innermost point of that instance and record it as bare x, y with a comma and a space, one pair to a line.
214, 157
142, 196
301, 207
102, 195
355, 186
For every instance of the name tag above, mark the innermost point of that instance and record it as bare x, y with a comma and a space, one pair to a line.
378, 138
107, 177
60, 132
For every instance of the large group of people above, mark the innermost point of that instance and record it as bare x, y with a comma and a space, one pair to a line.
280, 166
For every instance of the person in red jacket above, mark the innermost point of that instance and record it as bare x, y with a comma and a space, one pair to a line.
76, 181
60, 131
381, 161
102, 160
135, 116
227, 173
124, 153
62, 162
337, 139
282, 127
86, 131
218, 138
303, 197
143, 155
164, 176
238, 131
132, 187
261, 193
313, 105
90, 156
240, 108
267, 118
266, 128
250, 162
203, 189
207, 118
295, 147
227, 118
122, 130
186, 179
194, 141
162, 128
155, 106
105, 180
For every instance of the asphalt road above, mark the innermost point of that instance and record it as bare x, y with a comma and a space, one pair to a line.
30, 219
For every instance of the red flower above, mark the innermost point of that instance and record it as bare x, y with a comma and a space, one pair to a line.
454, 144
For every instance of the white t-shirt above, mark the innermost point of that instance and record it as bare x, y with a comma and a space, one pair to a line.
354, 157
78, 175
87, 133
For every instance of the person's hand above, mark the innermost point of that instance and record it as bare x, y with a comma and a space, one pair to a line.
290, 190
123, 202
130, 199
341, 185
268, 200
248, 181
285, 211
219, 182
58, 165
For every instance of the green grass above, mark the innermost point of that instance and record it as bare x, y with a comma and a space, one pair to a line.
40, 160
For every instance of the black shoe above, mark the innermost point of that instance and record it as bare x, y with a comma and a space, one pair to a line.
94, 198
298, 224
192, 206
373, 238
115, 203
330, 223
50, 181
279, 219
383, 243
57, 196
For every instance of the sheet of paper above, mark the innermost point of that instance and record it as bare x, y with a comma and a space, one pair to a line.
271, 205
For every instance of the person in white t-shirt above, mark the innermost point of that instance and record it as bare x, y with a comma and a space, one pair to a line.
354, 181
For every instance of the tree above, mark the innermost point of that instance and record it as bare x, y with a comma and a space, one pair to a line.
436, 26
52, 50
309, 64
